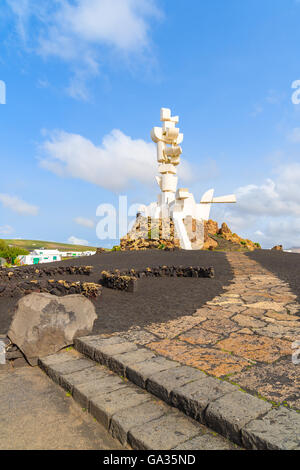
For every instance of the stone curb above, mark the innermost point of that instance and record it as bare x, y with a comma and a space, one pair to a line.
131, 415
238, 416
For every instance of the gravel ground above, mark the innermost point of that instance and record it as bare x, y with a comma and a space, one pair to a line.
285, 265
156, 299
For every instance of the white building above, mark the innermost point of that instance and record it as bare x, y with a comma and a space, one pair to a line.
76, 254
40, 256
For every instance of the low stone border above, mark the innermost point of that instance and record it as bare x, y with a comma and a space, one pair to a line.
119, 282
238, 416
171, 271
58, 288
127, 280
26, 271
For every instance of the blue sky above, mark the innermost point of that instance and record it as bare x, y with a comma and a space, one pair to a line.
85, 82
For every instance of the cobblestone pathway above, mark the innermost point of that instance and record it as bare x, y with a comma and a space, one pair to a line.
244, 336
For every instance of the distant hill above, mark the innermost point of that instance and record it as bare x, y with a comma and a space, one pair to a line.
31, 245
295, 250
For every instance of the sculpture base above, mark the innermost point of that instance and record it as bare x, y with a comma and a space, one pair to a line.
149, 233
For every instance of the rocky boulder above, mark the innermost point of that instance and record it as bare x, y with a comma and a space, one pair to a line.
100, 251
210, 244
277, 248
43, 323
210, 227
244, 243
224, 229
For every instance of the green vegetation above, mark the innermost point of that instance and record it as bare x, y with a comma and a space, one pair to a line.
116, 248
10, 253
31, 245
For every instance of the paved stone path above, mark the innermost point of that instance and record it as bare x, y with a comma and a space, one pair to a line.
244, 336
37, 414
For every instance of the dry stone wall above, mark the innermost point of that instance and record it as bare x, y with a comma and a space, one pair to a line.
128, 280
32, 271
58, 288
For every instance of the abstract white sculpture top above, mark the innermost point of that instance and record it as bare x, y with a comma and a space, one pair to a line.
171, 202
168, 139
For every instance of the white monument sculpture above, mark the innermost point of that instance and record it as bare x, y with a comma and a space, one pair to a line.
173, 202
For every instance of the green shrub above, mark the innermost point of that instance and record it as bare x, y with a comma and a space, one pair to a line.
116, 248
10, 253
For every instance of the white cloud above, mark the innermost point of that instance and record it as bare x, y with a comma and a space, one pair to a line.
85, 222
121, 23
22, 12
275, 197
269, 212
259, 233
18, 205
275, 97
258, 109
284, 231
79, 32
6, 230
77, 241
294, 135
114, 165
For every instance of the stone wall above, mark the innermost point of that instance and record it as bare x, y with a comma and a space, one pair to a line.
127, 280
32, 271
59, 288
117, 281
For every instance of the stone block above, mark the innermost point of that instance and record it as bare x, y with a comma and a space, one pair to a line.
83, 393
103, 407
85, 376
140, 372
103, 353
277, 430
194, 397
164, 433
55, 371
229, 414
120, 362
207, 441
161, 384
123, 421
89, 344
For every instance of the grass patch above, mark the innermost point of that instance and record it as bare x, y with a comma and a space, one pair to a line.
31, 245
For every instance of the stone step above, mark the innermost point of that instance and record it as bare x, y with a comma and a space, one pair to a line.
132, 415
240, 417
